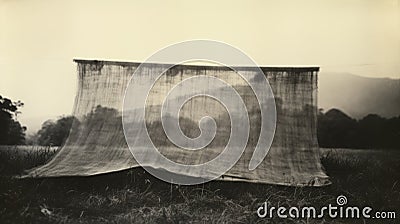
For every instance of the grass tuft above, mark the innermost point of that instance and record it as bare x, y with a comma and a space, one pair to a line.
364, 177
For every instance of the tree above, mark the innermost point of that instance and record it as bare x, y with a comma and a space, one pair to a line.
337, 130
11, 131
55, 133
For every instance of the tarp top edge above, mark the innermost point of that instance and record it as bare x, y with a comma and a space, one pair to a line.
288, 68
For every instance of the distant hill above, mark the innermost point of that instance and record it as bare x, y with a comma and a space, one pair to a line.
359, 96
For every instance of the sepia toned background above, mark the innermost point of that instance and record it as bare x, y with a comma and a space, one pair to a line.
356, 129
39, 39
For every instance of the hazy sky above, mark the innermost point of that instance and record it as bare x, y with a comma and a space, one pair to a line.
39, 39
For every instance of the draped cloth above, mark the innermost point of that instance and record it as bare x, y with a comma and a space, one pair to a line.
96, 144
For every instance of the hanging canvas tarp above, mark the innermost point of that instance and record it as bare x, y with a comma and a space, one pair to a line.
97, 145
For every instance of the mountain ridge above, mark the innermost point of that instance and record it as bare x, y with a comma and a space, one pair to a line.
359, 96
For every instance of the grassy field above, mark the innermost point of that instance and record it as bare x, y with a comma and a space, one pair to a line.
365, 177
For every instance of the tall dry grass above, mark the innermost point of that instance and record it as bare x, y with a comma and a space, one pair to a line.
134, 196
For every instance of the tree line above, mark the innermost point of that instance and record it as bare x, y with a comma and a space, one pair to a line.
335, 129
338, 130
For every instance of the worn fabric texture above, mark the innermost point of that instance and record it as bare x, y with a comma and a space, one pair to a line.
96, 144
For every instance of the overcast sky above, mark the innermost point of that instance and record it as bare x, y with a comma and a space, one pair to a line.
40, 38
